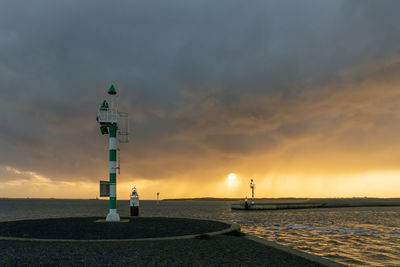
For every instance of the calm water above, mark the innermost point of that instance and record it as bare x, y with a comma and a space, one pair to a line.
352, 236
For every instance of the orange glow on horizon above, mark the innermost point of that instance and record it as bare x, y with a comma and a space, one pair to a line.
273, 185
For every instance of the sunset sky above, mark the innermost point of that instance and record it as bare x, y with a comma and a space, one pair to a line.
301, 96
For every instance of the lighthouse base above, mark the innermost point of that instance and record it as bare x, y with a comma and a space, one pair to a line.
113, 216
134, 210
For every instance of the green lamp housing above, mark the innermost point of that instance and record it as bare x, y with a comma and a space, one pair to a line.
104, 105
112, 90
104, 129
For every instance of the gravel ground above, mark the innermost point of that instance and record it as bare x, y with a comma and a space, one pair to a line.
87, 228
221, 250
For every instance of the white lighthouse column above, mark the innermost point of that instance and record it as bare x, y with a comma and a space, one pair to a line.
113, 216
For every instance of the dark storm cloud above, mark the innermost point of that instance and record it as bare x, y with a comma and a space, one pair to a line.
206, 83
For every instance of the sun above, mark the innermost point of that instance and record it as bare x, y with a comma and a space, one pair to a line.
231, 178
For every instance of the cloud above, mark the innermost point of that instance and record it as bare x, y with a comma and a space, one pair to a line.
210, 87
22, 184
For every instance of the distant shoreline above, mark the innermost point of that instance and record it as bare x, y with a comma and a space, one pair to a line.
330, 202
228, 199
283, 198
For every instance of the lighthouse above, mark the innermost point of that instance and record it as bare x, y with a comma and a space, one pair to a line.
252, 191
134, 202
109, 119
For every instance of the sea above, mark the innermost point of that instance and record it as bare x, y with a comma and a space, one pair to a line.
357, 236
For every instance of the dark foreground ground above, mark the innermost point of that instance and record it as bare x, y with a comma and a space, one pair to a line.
221, 250
88, 229
204, 250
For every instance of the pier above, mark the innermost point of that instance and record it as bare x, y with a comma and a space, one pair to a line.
277, 206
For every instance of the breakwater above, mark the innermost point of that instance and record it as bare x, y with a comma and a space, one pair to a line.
277, 206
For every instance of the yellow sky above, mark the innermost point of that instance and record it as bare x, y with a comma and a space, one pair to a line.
374, 184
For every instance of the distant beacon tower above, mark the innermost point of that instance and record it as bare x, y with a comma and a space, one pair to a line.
110, 121
134, 202
252, 191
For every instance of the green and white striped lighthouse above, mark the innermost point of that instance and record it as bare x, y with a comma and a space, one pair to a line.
109, 119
